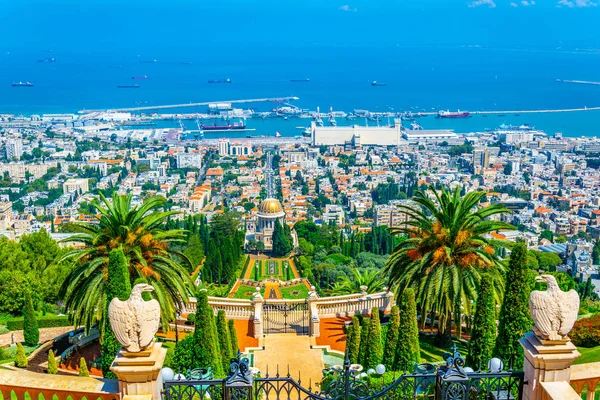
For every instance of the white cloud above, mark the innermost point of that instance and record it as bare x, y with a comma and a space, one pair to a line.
477, 3
514, 5
346, 7
576, 3
526, 3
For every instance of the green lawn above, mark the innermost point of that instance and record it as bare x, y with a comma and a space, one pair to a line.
433, 354
294, 292
591, 354
264, 273
246, 292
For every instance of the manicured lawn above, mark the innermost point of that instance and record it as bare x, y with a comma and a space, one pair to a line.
591, 354
294, 292
433, 354
246, 292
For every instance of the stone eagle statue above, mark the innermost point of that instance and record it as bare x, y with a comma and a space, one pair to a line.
553, 311
135, 321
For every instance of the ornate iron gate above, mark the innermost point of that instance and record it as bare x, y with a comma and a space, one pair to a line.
286, 318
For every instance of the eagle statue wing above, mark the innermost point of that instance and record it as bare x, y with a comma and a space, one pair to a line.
120, 315
543, 310
149, 322
569, 308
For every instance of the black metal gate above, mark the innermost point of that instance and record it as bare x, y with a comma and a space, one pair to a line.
286, 318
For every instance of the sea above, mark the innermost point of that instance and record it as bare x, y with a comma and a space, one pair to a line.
417, 78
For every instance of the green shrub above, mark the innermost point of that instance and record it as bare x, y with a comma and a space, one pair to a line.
224, 340
483, 336
391, 338
408, 351
31, 332
83, 369
586, 332
375, 348
20, 359
353, 340
233, 337
364, 342
49, 321
4, 354
52, 366
191, 319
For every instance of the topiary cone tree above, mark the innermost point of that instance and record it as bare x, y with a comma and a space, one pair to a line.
363, 350
353, 340
83, 369
483, 336
20, 358
515, 318
408, 351
391, 338
207, 350
375, 351
31, 333
117, 285
52, 366
224, 340
233, 337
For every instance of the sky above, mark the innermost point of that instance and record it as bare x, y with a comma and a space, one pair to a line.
195, 25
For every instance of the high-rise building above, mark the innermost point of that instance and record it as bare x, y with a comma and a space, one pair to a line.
14, 149
223, 147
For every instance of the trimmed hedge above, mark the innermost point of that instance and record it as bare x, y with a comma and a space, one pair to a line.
16, 324
586, 332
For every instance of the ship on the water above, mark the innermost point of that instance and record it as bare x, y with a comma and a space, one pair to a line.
236, 126
228, 80
452, 114
301, 80
47, 60
375, 83
22, 84
128, 86
139, 78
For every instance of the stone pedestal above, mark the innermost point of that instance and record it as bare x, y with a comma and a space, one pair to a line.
139, 373
546, 361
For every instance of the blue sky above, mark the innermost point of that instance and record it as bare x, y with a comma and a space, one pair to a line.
197, 24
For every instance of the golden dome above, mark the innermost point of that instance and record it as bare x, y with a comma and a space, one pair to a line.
270, 206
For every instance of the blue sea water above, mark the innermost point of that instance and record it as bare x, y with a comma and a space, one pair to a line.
433, 54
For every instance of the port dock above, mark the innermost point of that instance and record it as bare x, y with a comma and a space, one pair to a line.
204, 103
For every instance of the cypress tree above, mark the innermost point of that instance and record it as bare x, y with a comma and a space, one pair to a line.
117, 285
31, 333
391, 338
515, 319
52, 367
483, 335
83, 369
353, 340
20, 358
233, 337
279, 245
408, 351
363, 349
224, 340
207, 351
375, 351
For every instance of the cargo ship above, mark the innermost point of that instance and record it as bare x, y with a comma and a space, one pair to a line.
236, 126
375, 83
301, 80
139, 78
453, 114
128, 86
23, 84
220, 80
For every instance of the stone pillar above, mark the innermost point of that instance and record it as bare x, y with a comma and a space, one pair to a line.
389, 301
546, 361
258, 301
315, 321
139, 373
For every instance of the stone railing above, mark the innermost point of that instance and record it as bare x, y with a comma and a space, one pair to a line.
559, 391
22, 385
585, 379
234, 308
349, 305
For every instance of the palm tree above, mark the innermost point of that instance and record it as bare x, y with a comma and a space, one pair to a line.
146, 245
447, 250
371, 278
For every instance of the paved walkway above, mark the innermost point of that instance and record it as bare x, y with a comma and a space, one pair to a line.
45, 334
294, 351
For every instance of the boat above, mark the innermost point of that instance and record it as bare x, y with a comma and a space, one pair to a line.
47, 60
332, 120
307, 132
236, 126
375, 83
22, 84
139, 78
128, 86
415, 127
301, 80
277, 134
219, 80
452, 114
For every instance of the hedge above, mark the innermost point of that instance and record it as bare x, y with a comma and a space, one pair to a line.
52, 321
